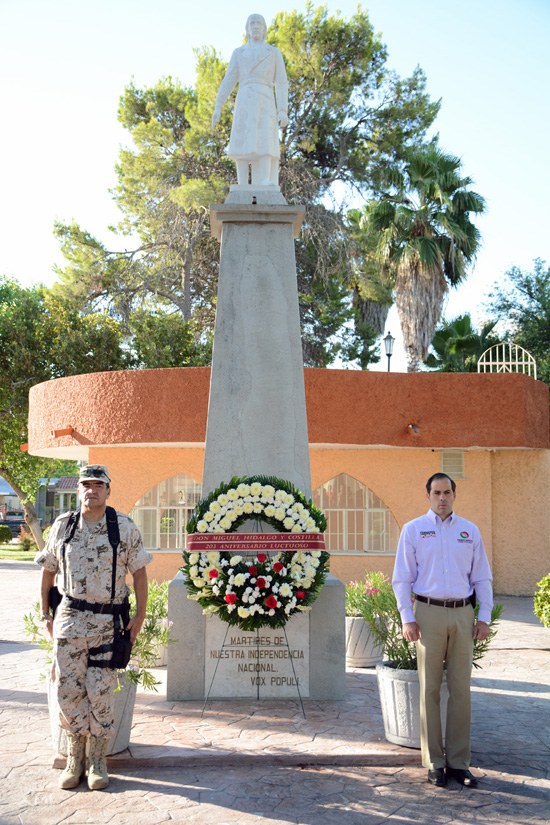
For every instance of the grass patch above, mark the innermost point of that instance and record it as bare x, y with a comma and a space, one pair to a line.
14, 553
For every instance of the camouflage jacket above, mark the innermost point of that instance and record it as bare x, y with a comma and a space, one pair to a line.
89, 566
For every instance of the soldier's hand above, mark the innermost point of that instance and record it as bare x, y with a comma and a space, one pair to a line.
134, 626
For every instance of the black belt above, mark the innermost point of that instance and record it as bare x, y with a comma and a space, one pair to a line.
95, 607
444, 602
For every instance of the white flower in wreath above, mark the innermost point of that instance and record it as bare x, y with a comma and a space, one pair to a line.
199, 582
234, 561
270, 511
240, 579
288, 523
285, 590
215, 507
243, 489
219, 529
213, 556
256, 488
202, 526
193, 572
296, 571
296, 529
232, 516
258, 508
271, 612
268, 491
222, 499
298, 507
279, 514
232, 495
280, 495
243, 612
310, 523
230, 608
225, 524
248, 507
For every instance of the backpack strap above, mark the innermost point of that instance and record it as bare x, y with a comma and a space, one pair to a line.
114, 538
70, 530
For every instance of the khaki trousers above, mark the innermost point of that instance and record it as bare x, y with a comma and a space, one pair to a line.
445, 637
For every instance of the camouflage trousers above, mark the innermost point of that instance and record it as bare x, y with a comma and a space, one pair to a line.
85, 695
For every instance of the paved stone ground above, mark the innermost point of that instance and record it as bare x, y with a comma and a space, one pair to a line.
254, 762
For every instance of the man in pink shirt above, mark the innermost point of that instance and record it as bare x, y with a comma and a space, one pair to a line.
442, 560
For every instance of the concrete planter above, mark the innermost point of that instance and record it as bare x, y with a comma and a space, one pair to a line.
361, 650
400, 700
125, 700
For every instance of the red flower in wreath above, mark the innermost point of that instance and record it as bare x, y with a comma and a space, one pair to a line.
260, 583
300, 594
231, 598
213, 574
253, 570
278, 567
262, 557
271, 602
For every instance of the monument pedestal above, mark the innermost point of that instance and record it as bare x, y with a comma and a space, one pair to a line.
316, 640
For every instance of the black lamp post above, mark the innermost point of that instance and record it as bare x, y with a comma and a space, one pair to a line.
388, 343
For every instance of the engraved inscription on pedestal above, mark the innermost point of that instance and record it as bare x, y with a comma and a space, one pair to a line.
257, 665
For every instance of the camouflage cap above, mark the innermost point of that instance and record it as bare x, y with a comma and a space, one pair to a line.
97, 471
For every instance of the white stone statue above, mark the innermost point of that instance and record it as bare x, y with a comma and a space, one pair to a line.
259, 70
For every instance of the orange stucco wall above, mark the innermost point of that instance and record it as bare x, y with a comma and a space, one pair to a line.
169, 406
358, 424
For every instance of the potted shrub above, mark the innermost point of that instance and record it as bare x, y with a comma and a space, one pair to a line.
542, 601
152, 637
398, 675
362, 649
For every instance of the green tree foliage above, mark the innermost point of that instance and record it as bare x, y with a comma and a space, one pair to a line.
425, 239
349, 116
41, 338
457, 347
522, 305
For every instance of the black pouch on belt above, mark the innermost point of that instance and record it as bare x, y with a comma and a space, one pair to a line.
54, 599
122, 650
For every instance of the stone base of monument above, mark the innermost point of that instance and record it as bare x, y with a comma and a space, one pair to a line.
211, 659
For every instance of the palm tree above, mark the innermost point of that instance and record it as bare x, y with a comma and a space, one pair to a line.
426, 240
458, 347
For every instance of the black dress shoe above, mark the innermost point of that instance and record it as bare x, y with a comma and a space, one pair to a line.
463, 777
437, 777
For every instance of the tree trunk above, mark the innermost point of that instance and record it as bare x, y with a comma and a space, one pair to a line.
28, 508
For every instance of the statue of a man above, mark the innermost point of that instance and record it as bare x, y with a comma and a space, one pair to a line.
259, 70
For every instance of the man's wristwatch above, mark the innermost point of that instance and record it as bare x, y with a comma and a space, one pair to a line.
46, 616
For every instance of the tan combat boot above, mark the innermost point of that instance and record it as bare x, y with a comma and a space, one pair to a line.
97, 765
71, 776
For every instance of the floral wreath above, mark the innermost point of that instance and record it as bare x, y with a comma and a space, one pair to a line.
259, 590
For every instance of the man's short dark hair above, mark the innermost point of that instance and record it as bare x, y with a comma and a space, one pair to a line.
439, 475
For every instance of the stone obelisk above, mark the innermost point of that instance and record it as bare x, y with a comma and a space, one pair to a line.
257, 412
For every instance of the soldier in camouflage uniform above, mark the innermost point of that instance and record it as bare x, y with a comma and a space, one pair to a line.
85, 693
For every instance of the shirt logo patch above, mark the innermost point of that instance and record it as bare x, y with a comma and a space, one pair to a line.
464, 535
427, 534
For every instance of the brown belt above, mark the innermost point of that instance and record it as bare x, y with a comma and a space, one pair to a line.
444, 602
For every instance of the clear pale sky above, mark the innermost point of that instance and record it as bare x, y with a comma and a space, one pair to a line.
64, 64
